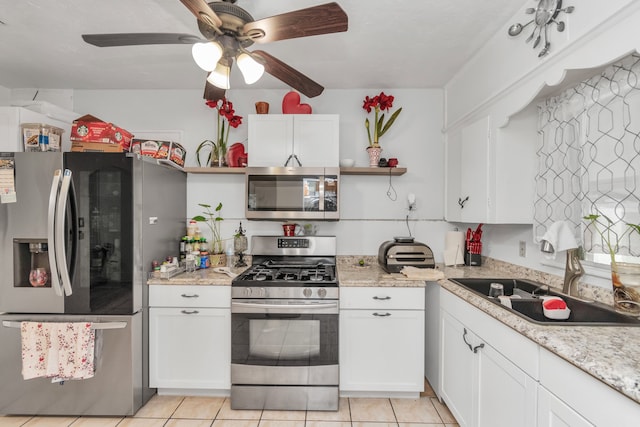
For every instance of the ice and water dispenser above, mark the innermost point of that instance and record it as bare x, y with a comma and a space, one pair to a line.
31, 263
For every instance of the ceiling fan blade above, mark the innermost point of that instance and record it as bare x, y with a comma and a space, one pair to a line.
289, 75
132, 39
203, 12
213, 93
323, 19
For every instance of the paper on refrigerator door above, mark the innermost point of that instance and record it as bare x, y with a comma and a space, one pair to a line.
7, 181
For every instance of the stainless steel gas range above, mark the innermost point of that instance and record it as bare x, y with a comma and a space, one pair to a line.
284, 326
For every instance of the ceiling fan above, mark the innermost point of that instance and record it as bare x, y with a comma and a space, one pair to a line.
229, 30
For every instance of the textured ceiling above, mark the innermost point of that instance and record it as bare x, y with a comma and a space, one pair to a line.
390, 43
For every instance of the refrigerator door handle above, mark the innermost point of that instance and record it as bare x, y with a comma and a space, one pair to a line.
61, 211
51, 220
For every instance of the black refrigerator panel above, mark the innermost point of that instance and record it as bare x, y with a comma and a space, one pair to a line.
101, 234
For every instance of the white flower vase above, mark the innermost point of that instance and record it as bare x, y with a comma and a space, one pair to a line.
374, 156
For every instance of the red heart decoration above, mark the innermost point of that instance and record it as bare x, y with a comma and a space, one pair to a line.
291, 104
234, 154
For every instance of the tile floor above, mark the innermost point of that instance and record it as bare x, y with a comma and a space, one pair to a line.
179, 411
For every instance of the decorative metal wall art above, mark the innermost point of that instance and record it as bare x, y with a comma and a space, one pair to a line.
545, 14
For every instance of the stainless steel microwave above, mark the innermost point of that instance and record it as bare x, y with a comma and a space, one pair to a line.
292, 193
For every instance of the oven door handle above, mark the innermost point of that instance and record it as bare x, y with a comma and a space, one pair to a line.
300, 308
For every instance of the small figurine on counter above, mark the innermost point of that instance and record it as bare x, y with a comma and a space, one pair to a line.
239, 246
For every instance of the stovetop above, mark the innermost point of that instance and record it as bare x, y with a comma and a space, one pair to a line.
273, 274
300, 261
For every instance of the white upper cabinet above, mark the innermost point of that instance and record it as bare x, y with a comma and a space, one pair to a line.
311, 138
490, 171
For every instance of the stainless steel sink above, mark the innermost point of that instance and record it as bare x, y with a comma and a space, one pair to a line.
529, 305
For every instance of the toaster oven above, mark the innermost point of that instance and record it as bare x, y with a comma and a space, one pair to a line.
395, 254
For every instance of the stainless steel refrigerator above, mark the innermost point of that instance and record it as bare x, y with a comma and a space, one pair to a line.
77, 246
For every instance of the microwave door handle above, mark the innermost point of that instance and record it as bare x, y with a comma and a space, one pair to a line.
321, 194
51, 221
61, 211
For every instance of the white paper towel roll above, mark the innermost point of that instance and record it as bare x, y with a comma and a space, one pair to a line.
454, 248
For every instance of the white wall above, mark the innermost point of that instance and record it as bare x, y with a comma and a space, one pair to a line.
5, 94
368, 215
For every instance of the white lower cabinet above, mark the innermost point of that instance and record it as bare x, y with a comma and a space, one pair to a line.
553, 412
381, 341
571, 397
481, 386
492, 376
190, 339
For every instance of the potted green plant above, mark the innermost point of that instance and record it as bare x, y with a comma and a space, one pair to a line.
625, 277
213, 218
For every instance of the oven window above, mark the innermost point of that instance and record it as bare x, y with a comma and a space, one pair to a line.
284, 339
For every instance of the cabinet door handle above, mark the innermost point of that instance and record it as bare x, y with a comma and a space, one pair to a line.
190, 312
190, 296
474, 349
382, 314
462, 201
381, 298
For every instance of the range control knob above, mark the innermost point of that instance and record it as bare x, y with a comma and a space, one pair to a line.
306, 292
322, 292
263, 293
247, 292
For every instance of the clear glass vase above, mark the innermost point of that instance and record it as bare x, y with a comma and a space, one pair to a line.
626, 287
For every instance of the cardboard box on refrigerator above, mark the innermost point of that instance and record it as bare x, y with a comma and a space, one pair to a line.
91, 129
165, 150
96, 147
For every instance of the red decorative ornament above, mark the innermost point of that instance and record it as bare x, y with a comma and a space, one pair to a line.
291, 104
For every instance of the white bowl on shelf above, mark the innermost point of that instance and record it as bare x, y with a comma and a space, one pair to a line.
347, 163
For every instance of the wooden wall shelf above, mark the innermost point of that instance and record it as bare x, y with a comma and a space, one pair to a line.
216, 170
372, 171
343, 171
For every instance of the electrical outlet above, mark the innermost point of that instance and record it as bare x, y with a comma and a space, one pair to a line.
522, 248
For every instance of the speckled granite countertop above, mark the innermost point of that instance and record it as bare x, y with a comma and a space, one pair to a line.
206, 277
610, 354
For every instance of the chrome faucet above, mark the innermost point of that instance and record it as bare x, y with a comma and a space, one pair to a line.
572, 272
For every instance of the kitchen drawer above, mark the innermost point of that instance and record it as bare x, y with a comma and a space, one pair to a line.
189, 296
382, 298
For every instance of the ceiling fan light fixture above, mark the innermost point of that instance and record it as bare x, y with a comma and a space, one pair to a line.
219, 77
206, 55
251, 69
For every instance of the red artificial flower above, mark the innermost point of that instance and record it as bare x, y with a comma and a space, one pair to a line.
386, 102
381, 102
225, 113
235, 121
370, 103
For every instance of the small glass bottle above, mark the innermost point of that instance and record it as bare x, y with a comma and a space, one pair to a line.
192, 228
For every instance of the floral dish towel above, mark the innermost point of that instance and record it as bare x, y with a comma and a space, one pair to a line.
63, 351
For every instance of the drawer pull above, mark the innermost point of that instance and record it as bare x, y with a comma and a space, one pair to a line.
381, 298
382, 314
190, 312
190, 296
474, 349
